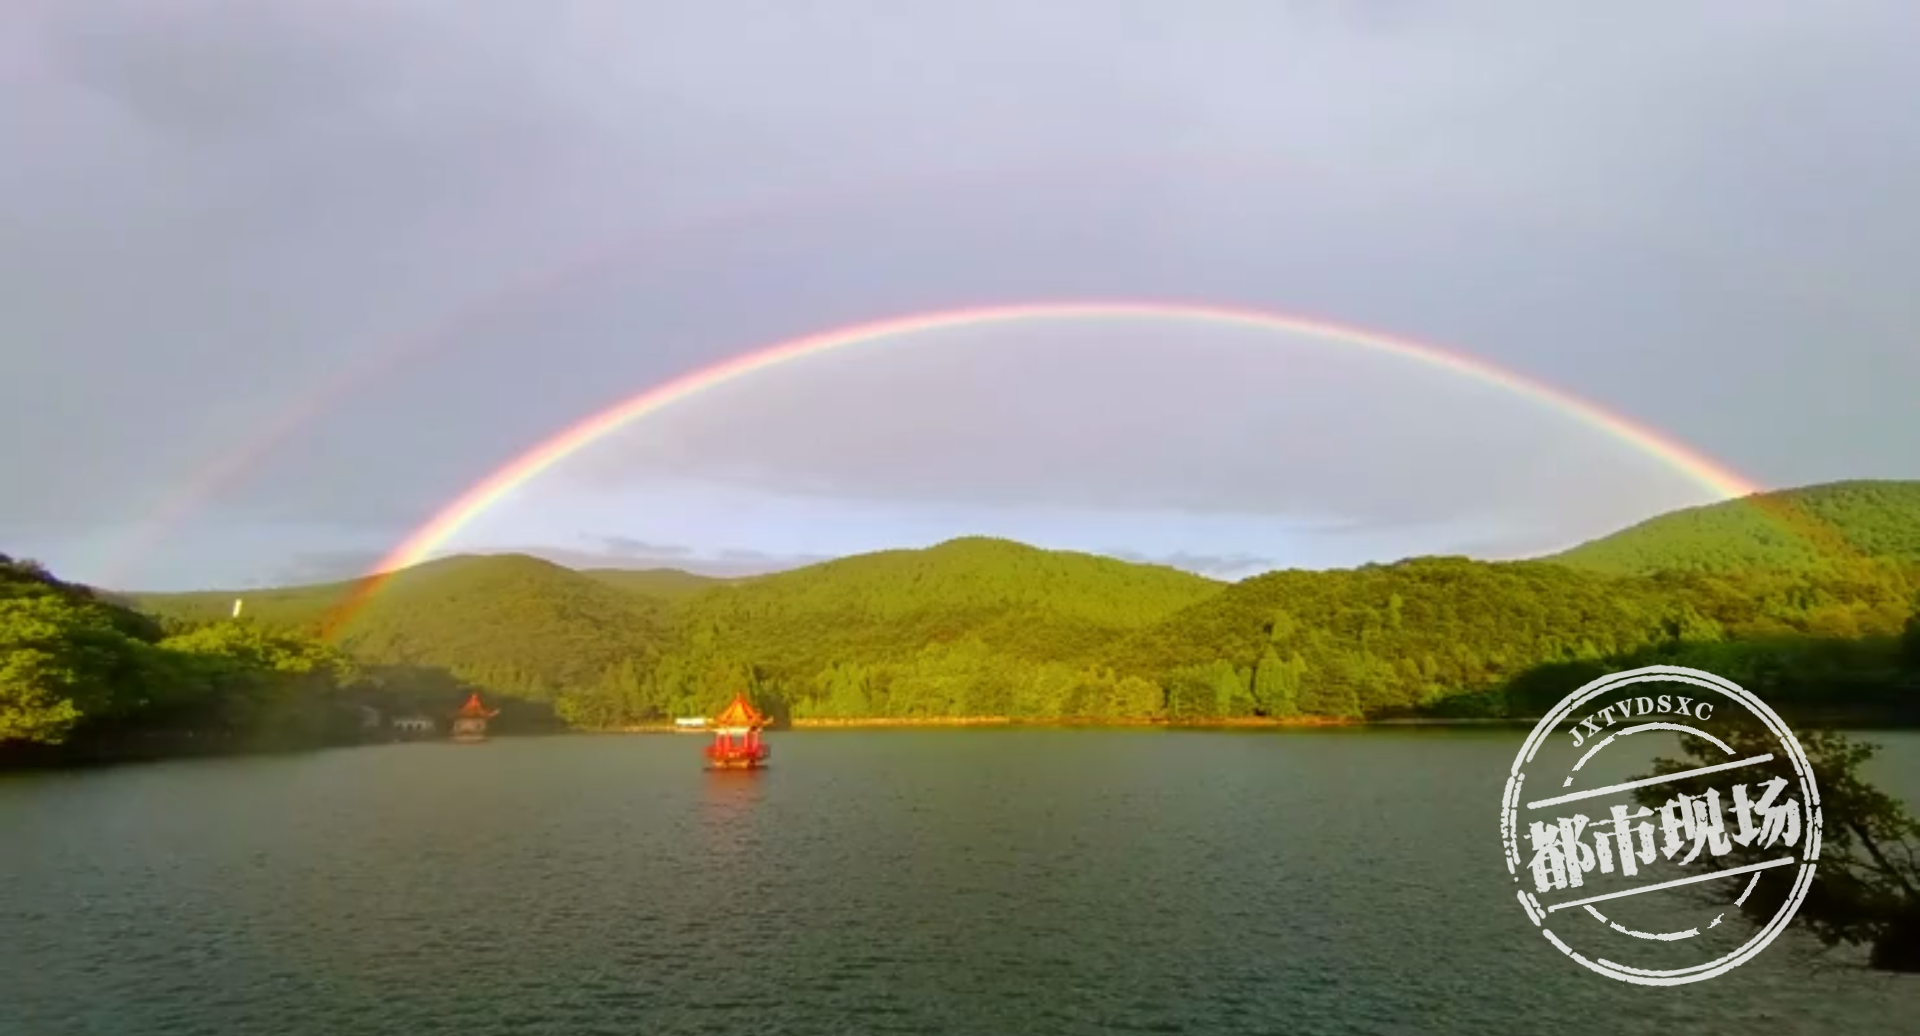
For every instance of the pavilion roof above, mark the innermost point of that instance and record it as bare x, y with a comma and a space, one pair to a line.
740, 713
475, 709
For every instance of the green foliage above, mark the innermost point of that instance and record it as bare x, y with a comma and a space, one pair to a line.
1277, 684
84, 676
980, 627
1019, 600
1810, 527
504, 624
1866, 889
1910, 640
64, 654
663, 584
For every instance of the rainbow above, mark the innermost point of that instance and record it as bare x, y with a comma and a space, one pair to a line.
428, 538
274, 429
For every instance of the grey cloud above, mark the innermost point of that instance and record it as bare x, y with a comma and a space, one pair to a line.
625, 546
1216, 565
1173, 417
213, 207
320, 566
740, 554
225, 74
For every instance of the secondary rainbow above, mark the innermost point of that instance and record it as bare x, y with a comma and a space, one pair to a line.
424, 541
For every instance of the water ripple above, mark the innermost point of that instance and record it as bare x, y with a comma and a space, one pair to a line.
910, 882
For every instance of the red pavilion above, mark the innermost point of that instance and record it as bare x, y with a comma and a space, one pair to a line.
470, 723
736, 738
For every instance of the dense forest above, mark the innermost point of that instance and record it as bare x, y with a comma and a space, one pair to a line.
83, 676
1811, 527
990, 628
69, 659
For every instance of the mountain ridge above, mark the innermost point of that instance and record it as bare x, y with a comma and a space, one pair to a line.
1671, 540
1804, 526
984, 627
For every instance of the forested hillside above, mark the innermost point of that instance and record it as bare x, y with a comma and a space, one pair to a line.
505, 623
72, 662
973, 626
1442, 636
1019, 600
981, 627
665, 584
1810, 527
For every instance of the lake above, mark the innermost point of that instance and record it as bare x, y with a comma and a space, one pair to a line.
912, 881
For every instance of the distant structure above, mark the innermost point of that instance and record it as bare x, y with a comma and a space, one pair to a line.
690, 724
410, 727
736, 738
470, 723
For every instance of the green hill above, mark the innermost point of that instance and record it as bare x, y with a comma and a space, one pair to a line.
81, 675
1810, 527
979, 626
1392, 636
666, 584
1382, 639
942, 631
289, 607
1018, 599
506, 623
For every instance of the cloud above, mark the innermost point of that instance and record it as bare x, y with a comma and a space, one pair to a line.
625, 546
1170, 416
1216, 565
214, 207
319, 566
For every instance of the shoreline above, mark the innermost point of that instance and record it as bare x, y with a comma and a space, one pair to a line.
1243, 722
24, 759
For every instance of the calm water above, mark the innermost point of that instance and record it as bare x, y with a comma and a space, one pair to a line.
994, 882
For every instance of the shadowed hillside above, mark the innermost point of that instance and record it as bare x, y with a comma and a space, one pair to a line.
1383, 637
1448, 635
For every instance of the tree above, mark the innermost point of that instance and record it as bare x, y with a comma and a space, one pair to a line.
1910, 640
1866, 886
34, 703
1276, 684
61, 660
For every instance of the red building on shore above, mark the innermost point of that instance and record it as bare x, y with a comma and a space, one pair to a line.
736, 737
470, 723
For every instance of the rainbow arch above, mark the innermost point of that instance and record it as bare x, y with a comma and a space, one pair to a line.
181, 499
420, 544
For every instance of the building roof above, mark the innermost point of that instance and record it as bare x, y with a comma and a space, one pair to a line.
740, 713
474, 710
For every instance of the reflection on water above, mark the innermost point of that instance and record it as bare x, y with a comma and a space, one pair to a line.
729, 795
729, 802
1051, 882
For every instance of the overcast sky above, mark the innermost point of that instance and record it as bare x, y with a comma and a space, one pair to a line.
280, 279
